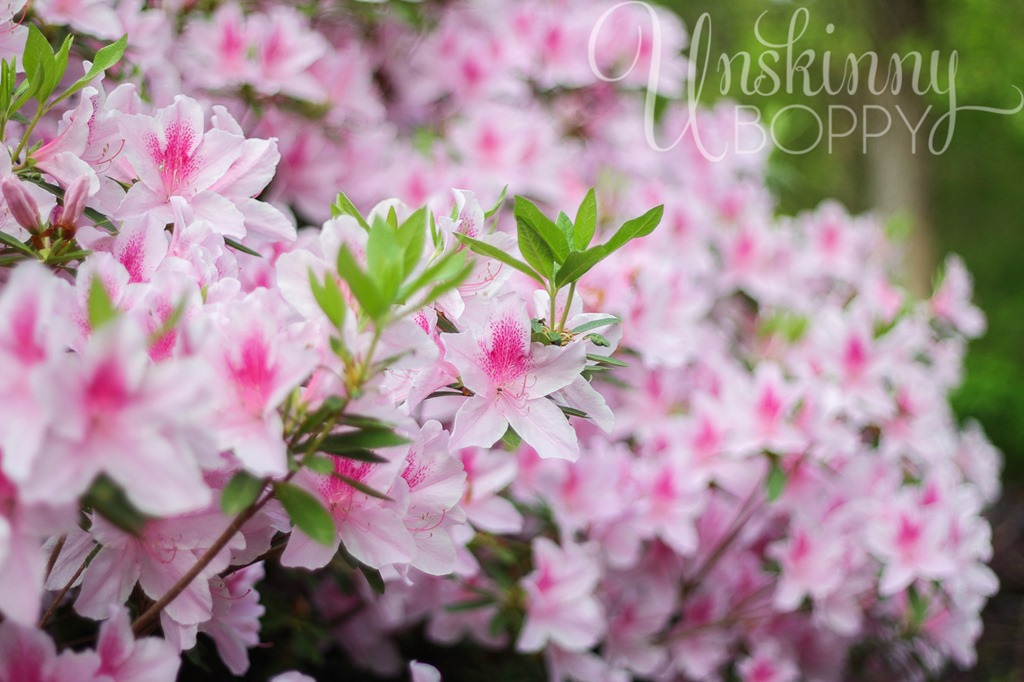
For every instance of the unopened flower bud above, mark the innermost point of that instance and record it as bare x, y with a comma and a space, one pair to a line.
23, 207
75, 197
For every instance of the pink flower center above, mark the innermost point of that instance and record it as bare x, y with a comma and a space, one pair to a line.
176, 161
507, 357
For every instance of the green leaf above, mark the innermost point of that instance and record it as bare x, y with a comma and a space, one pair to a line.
39, 62
60, 65
362, 439
578, 264
563, 223
469, 604
108, 499
237, 246
511, 439
363, 288
635, 228
497, 205
412, 236
101, 308
530, 219
105, 58
599, 340
776, 480
446, 268
918, 608
344, 206
17, 244
362, 487
447, 284
586, 221
594, 324
536, 251
321, 465
605, 360
357, 454
384, 260
373, 578
306, 512
240, 492
328, 297
485, 249
573, 412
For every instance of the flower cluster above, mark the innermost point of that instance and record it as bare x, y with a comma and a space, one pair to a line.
723, 449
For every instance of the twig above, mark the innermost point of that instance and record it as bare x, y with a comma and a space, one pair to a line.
60, 596
55, 553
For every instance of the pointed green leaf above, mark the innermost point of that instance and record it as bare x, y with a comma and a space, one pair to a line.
39, 62
605, 360
240, 492
469, 604
228, 241
536, 251
344, 206
412, 236
101, 308
105, 58
594, 324
373, 578
578, 264
447, 284
306, 512
637, 227
485, 249
362, 439
776, 480
15, 243
328, 296
362, 287
531, 219
320, 465
563, 223
109, 500
362, 487
586, 221
384, 260
497, 204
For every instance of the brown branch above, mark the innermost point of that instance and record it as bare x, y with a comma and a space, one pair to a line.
60, 596
148, 618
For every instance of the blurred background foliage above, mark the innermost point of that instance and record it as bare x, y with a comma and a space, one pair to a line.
972, 199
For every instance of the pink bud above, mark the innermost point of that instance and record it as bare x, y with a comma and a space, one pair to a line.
75, 197
23, 207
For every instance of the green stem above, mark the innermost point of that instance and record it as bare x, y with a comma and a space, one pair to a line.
568, 303
40, 112
552, 295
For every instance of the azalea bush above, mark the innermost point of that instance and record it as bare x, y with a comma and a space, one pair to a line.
284, 363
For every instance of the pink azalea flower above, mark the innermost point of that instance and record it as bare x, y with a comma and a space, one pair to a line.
248, 355
163, 551
488, 472
29, 655
95, 17
373, 530
112, 410
22, 562
560, 603
511, 378
811, 564
235, 625
436, 483
126, 659
174, 155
